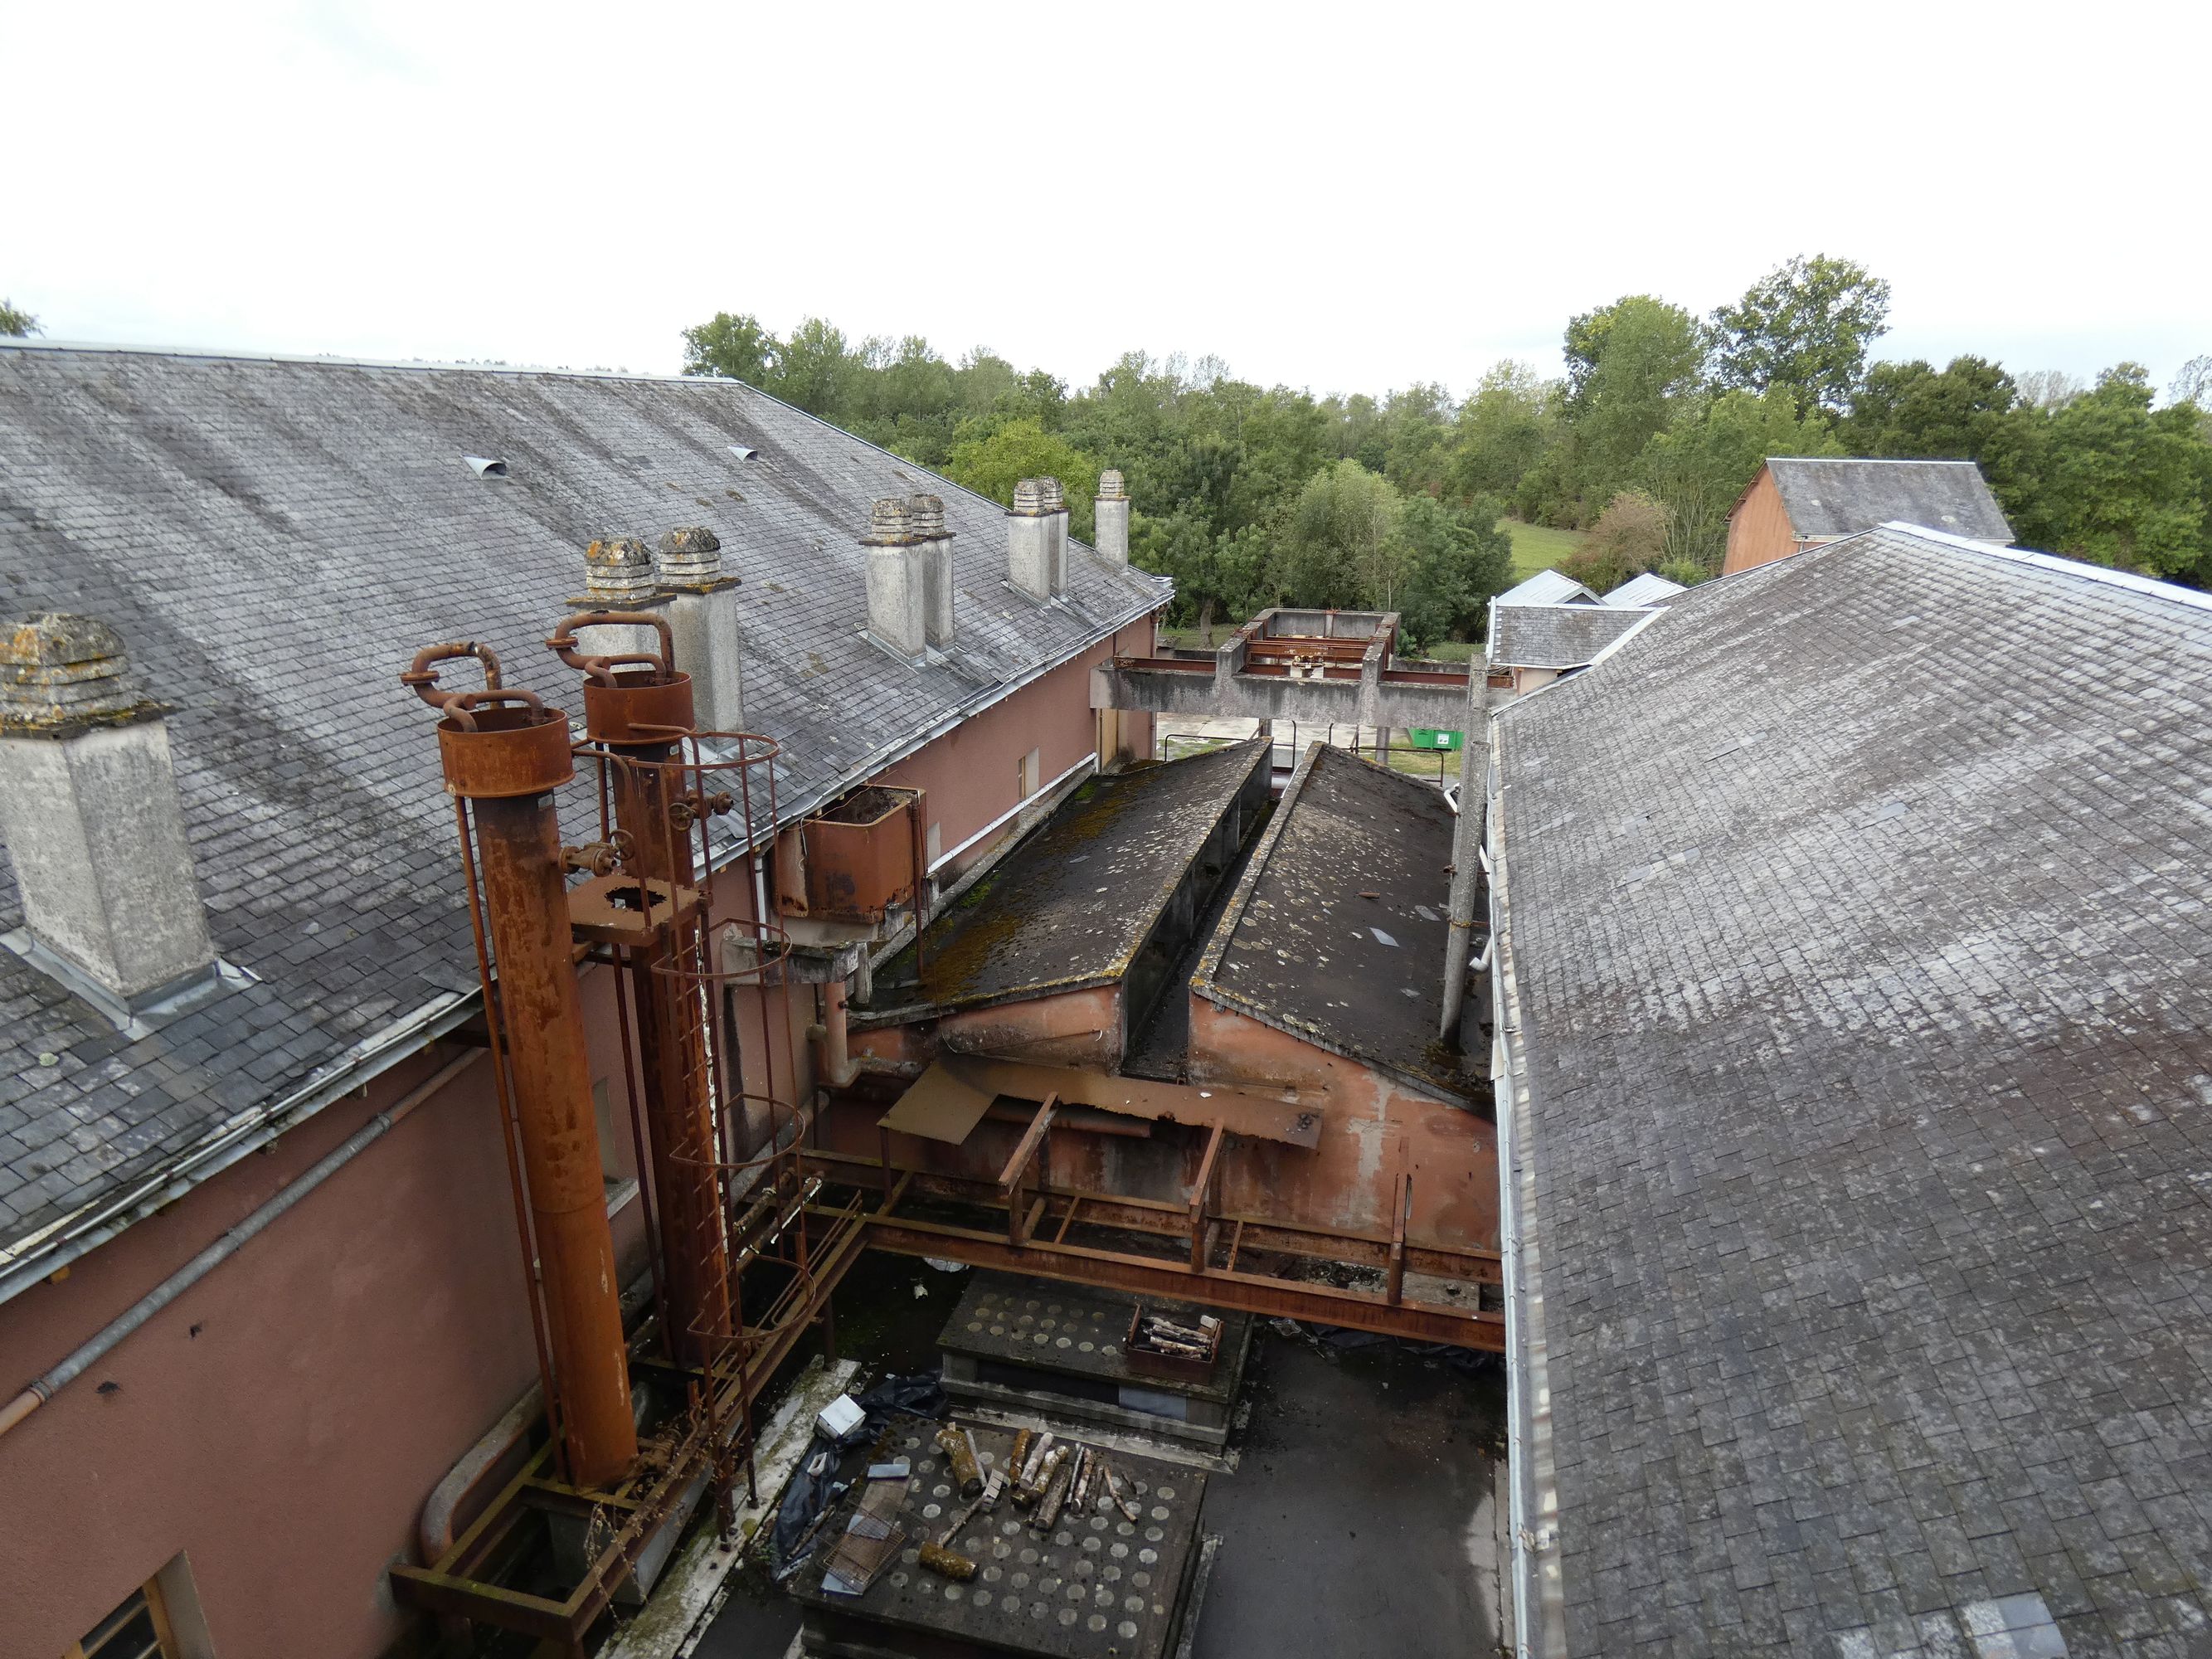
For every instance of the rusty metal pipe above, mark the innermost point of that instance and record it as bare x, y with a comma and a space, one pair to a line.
506, 764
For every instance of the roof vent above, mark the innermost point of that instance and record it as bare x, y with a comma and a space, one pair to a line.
745, 451
484, 466
690, 556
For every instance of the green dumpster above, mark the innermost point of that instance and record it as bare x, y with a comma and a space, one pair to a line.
1426, 737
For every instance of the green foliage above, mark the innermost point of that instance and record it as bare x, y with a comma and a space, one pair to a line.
1247, 495
14, 323
992, 463
2122, 483
1804, 328
1696, 468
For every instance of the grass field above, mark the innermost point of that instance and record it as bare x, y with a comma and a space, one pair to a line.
1537, 547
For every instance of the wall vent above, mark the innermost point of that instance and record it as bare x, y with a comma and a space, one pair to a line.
745, 451
486, 467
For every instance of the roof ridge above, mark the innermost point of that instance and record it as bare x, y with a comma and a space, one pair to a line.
2058, 565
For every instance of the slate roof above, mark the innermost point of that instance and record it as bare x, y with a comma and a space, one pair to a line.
274, 539
1547, 587
1855, 945
1071, 905
1557, 636
1827, 496
1337, 928
1648, 588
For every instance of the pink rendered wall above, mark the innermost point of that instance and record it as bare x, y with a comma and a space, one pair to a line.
282, 1421
969, 772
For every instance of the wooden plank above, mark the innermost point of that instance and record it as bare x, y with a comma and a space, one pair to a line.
1201, 1190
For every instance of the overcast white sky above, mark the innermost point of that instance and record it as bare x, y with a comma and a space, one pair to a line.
1348, 198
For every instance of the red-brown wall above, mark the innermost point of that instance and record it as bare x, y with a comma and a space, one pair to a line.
1759, 531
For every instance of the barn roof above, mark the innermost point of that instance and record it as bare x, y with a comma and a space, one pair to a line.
1828, 496
1853, 935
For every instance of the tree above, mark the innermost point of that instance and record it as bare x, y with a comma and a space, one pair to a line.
2050, 388
1500, 433
1340, 544
1629, 537
17, 323
1456, 559
2122, 483
1804, 328
992, 463
1908, 410
1698, 467
2193, 385
734, 346
816, 370
1632, 367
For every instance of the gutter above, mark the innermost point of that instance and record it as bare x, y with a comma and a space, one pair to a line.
1539, 1602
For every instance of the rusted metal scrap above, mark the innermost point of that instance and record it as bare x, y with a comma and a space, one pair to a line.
960, 1453
948, 1563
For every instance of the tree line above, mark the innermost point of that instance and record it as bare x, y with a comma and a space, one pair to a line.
1251, 496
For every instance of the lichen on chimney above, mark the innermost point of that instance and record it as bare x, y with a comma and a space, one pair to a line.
618, 571
890, 525
691, 555
60, 674
926, 513
1110, 487
1029, 497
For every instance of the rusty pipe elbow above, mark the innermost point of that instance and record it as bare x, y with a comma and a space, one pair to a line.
562, 641
422, 677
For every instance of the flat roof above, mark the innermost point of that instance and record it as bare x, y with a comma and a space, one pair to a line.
1337, 931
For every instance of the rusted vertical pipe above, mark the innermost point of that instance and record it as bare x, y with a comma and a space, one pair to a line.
507, 759
636, 714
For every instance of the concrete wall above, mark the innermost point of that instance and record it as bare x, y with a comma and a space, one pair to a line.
284, 1420
1759, 531
1256, 697
1373, 1126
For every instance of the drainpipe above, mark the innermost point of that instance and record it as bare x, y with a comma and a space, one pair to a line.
46, 1387
1467, 851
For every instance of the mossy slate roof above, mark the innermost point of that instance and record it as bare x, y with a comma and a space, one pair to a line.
1860, 921
275, 539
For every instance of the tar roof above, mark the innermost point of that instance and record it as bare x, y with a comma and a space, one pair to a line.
1854, 928
273, 540
1547, 587
1837, 497
1558, 636
1337, 927
1070, 905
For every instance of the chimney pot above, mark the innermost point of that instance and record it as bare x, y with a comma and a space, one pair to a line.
927, 514
1109, 486
890, 525
89, 810
1055, 506
1029, 498
618, 572
691, 555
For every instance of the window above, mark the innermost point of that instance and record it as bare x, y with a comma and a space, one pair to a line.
1025, 777
159, 1619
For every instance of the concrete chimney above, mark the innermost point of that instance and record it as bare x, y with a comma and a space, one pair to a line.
95, 828
1055, 502
1112, 537
1028, 541
895, 583
618, 576
927, 516
700, 604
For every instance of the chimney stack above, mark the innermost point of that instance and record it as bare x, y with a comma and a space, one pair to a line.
701, 606
94, 827
1028, 541
1055, 502
1112, 536
934, 541
895, 583
617, 576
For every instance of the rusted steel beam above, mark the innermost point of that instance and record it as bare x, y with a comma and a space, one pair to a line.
1032, 1138
490, 1604
1152, 1215
1243, 1292
1401, 1199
